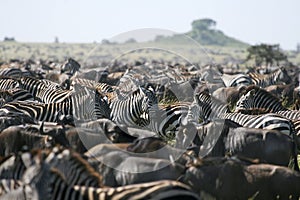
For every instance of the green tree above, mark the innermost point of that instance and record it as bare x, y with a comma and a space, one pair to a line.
266, 54
203, 24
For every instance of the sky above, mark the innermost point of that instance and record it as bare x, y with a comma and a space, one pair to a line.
252, 21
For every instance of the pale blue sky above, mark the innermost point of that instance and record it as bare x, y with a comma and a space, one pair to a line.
252, 21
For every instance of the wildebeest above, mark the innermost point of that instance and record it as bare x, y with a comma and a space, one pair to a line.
14, 139
12, 119
269, 146
220, 138
218, 177
119, 167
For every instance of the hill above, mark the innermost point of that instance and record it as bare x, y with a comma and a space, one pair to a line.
204, 32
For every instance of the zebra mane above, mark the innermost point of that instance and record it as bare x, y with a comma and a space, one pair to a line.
257, 90
87, 167
210, 106
210, 100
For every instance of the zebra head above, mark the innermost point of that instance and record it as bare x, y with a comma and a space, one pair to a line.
246, 101
281, 76
70, 66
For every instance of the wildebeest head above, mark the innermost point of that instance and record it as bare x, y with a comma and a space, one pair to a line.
58, 135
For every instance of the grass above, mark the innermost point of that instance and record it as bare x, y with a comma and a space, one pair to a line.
94, 52
90, 54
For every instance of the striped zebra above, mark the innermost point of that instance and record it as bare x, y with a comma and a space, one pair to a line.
165, 120
8, 185
257, 98
54, 186
71, 166
213, 108
207, 107
71, 66
13, 166
100, 87
165, 189
83, 105
7, 83
11, 72
15, 95
44, 90
266, 121
132, 110
278, 76
236, 80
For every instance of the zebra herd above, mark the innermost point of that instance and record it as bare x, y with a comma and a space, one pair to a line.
147, 131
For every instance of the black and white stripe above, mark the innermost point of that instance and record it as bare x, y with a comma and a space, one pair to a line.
7, 83
209, 108
100, 87
84, 105
266, 121
132, 110
279, 76
165, 189
257, 98
236, 80
44, 90
165, 120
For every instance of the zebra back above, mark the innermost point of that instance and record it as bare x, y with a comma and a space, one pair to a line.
74, 169
44, 90
82, 105
100, 87
257, 98
165, 189
208, 106
266, 121
7, 83
11, 72
8, 185
166, 119
131, 110
236, 80
276, 77
16, 95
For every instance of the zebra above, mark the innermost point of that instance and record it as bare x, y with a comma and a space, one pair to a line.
165, 120
71, 165
83, 105
100, 87
206, 107
71, 66
209, 107
7, 83
8, 185
44, 90
132, 110
258, 98
13, 166
266, 121
55, 187
11, 72
276, 77
15, 95
236, 80
164, 189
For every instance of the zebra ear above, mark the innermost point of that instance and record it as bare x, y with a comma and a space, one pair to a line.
252, 92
